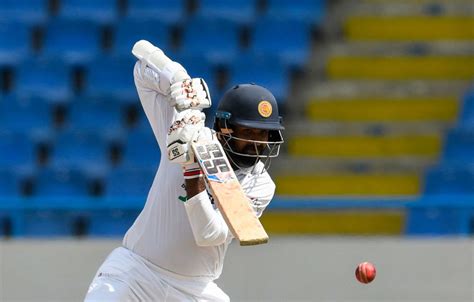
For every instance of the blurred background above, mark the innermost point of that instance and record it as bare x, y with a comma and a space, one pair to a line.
378, 103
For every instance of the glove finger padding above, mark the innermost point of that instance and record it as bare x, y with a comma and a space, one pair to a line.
184, 130
190, 94
205, 134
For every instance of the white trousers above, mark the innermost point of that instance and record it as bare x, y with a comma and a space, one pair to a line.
126, 276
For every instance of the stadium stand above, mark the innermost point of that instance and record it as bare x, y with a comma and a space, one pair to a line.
309, 11
266, 40
16, 151
31, 12
169, 11
9, 183
100, 12
379, 109
241, 12
61, 183
128, 30
87, 115
73, 42
118, 85
141, 180
88, 152
43, 78
14, 42
214, 40
30, 117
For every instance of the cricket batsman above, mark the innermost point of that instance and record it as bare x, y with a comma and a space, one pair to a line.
175, 248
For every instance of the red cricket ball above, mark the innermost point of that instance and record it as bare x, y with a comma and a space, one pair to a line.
365, 272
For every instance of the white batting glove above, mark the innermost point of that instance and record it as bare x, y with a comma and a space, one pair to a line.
184, 129
167, 71
190, 94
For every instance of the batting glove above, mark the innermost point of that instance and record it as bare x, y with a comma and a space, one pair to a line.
190, 94
183, 130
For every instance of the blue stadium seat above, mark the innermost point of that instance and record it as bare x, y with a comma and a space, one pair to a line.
101, 12
29, 117
128, 31
47, 223
111, 223
262, 71
141, 149
74, 42
83, 151
25, 11
111, 78
129, 182
215, 40
459, 146
10, 183
7, 220
96, 116
14, 42
197, 67
60, 183
309, 11
16, 151
467, 113
267, 40
449, 180
242, 12
169, 11
45, 79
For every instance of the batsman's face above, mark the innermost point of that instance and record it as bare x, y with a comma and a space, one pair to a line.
252, 134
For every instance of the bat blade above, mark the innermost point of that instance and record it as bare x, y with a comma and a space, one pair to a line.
228, 194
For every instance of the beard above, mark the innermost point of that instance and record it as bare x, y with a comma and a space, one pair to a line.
241, 161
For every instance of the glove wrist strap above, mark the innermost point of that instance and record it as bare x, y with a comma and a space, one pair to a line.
192, 170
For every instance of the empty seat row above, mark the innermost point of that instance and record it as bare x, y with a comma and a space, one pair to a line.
85, 151
57, 183
467, 112
448, 179
112, 78
82, 218
169, 11
219, 42
459, 146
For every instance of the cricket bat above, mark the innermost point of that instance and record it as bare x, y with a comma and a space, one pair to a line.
228, 194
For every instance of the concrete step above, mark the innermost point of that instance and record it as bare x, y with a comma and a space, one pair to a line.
347, 89
309, 128
401, 67
350, 146
407, 7
383, 109
349, 184
400, 48
285, 165
408, 28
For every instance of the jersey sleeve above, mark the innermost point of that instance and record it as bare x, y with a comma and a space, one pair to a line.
207, 224
260, 193
157, 110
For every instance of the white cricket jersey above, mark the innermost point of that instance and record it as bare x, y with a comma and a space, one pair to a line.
167, 229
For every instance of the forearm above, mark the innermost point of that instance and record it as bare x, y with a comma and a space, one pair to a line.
194, 186
207, 224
